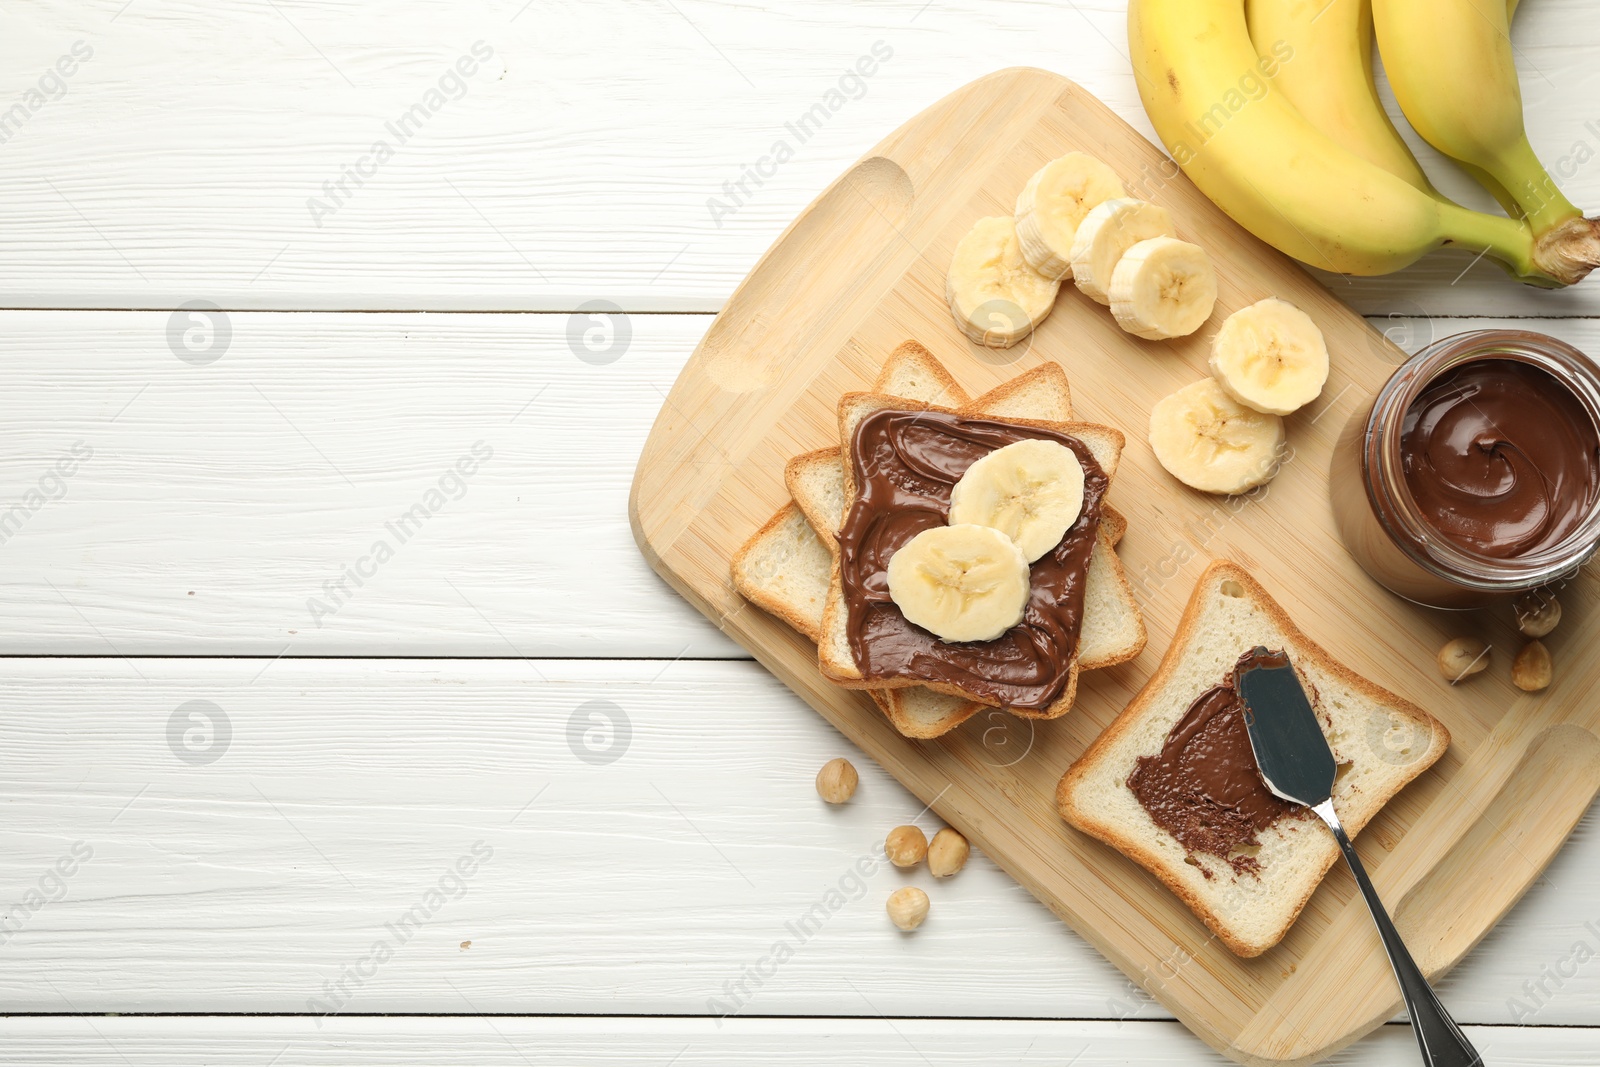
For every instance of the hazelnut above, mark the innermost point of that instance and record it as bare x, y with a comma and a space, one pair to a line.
905, 846
907, 907
1531, 670
836, 782
1538, 612
1462, 658
947, 854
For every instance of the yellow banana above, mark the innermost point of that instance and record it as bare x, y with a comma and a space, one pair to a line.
1331, 82
1211, 101
1329, 79
1451, 66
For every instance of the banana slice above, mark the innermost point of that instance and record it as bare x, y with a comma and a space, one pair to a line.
1106, 232
996, 297
1270, 356
962, 583
1031, 491
1210, 441
1054, 202
1163, 288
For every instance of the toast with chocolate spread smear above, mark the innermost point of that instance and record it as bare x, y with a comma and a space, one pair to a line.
836, 656
785, 567
1251, 892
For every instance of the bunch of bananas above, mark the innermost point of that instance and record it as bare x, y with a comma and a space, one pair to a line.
1269, 106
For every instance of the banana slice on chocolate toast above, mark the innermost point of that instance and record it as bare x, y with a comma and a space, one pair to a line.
1031, 491
960, 583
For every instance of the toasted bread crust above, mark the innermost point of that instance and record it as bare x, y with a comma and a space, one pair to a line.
1115, 524
1076, 808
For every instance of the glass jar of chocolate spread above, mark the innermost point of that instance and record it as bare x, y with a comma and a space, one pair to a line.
1476, 472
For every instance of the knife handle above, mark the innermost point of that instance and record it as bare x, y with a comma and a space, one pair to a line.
1442, 1042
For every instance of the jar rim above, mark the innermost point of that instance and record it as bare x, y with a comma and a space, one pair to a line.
1390, 496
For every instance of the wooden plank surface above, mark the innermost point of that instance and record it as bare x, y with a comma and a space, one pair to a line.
636, 886
266, 502
710, 475
181, 159
226, 480
490, 1042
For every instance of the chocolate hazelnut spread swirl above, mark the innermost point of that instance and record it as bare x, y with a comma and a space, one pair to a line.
1501, 458
1204, 786
904, 464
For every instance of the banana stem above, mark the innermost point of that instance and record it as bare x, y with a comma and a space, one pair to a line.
1563, 255
1569, 251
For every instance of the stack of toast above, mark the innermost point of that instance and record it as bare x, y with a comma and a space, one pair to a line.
790, 567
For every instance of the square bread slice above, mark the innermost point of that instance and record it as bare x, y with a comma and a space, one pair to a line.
1380, 742
834, 656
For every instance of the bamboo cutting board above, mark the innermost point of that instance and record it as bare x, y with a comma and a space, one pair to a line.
861, 270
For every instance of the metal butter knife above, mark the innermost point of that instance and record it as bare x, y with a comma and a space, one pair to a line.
1297, 764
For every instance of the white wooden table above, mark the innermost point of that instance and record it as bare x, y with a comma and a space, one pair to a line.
257, 742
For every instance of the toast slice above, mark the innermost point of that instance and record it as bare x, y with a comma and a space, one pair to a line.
783, 570
1040, 393
834, 656
913, 372
815, 481
1380, 742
